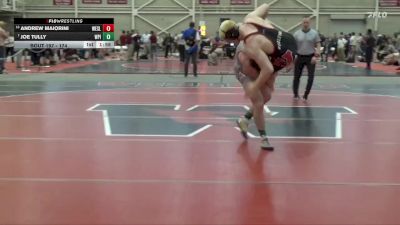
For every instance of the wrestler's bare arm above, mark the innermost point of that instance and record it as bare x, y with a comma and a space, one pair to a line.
318, 49
259, 16
3, 33
243, 64
261, 11
238, 65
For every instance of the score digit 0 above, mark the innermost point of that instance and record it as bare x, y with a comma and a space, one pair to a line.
108, 27
108, 36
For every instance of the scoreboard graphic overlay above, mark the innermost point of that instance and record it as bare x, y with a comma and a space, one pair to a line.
64, 33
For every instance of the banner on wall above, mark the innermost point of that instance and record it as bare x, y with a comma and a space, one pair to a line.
62, 2
203, 28
209, 2
92, 1
117, 1
240, 2
389, 3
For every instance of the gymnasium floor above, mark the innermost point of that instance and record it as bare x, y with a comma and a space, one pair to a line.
102, 148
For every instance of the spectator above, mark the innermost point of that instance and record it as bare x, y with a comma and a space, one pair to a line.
347, 45
168, 42
192, 38
333, 46
145, 39
9, 44
71, 55
353, 46
36, 54
370, 44
341, 47
325, 49
129, 53
153, 46
3, 37
216, 52
358, 44
387, 50
136, 44
181, 46
397, 45
122, 38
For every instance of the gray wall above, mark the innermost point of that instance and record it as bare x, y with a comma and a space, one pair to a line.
334, 15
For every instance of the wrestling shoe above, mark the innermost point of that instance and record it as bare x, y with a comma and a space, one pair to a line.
265, 145
243, 125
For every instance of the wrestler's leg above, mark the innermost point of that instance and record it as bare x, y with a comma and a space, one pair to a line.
259, 119
245, 73
269, 88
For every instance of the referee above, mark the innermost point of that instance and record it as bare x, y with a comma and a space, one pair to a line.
308, 45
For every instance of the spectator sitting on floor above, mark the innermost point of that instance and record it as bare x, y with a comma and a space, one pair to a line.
47, 57
71, 55
386, 49
216, 52
392, 59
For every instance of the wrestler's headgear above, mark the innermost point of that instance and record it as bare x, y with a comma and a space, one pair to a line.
229, 30
2, 24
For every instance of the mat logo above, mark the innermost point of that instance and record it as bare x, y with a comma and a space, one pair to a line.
169, 120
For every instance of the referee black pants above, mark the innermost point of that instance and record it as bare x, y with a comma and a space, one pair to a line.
301, 61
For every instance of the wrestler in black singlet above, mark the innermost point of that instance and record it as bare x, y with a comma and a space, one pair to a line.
285, 47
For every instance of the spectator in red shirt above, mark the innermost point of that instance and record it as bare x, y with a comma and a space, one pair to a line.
123, 38
153, 48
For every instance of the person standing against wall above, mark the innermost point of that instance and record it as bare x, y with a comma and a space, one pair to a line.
192, 38
309, 45
3, 37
